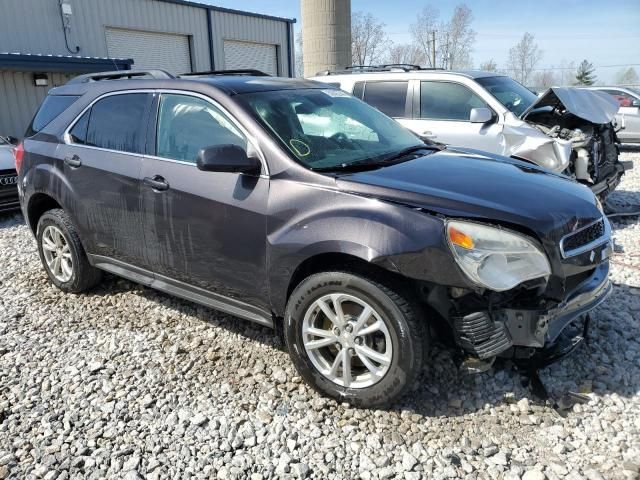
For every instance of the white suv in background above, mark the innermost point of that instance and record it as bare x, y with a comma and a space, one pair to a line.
628, 117
566, 130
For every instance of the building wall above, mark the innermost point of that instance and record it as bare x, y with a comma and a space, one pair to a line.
35, 26
231, 26
18, 107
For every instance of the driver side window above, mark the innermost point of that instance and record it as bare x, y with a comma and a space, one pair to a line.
187, 124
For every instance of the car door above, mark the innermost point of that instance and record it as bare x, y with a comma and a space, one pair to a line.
442, 114
102, 158
203, 229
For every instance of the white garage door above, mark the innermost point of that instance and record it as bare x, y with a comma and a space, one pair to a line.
261, 56
150, 50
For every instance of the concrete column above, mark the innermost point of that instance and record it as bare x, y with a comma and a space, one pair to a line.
326, 35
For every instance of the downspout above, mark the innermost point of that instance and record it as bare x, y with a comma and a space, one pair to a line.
212, 59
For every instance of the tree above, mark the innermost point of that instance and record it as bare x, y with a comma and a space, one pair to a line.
451, 41
585, 73
489, 65
405, 53
458, 39
544, 79
422, 33
627, 76
523, 58
368, 39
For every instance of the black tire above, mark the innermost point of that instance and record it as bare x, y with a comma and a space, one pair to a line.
401, 313
84, 276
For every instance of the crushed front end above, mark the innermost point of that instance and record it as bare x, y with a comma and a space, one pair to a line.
586, 146
528, 323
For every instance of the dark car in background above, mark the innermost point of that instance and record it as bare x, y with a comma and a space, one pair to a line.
8, 176
293, 204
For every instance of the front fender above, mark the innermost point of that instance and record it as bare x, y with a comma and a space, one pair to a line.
395, 237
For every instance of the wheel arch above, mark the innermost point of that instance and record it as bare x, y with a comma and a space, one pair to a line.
38, 204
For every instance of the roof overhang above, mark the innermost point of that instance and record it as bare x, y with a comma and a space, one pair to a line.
20, 62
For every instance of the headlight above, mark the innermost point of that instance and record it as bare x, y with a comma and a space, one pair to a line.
495, 258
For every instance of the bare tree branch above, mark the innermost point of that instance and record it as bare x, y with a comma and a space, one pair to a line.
368, 39
523, 58
421, 32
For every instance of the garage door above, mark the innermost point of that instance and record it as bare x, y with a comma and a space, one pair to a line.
150, 50
260, 56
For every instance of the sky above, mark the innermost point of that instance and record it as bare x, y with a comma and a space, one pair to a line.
566, 30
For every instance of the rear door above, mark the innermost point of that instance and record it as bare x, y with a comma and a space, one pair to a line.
442, 114
203, 229
102, 159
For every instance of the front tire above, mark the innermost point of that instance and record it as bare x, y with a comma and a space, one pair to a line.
62, 254
355, 339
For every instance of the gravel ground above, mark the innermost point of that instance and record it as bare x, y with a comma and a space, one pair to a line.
129, 383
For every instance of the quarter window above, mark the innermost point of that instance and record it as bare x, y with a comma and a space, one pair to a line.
117, 122
79, 131
187, 124
388, 97
447, 101
52, 106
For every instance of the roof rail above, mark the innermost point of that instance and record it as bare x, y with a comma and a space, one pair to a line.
245, 71
120, 74
387, 67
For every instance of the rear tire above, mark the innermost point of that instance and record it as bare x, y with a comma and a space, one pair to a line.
335, 319
62, 254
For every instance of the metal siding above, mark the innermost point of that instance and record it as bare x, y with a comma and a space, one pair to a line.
22, 31
261, 56
229, 26
151, 50
20, 98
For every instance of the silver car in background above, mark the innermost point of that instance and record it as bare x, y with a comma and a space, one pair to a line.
566, 130
8, 175
628, 116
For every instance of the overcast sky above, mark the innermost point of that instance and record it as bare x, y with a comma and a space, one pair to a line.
604, 33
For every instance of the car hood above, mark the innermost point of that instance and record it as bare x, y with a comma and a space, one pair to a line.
466, 183
590, 105
7, 161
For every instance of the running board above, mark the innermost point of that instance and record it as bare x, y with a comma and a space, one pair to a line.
182, 290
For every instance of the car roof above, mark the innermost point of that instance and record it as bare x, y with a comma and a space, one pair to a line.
228, 84
233, 85
474, 74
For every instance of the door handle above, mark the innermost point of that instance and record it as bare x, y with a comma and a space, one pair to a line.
156, 182
73, 162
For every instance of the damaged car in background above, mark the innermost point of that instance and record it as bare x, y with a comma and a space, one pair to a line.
566, 130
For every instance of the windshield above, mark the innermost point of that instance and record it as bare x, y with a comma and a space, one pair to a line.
509, 93
328, 128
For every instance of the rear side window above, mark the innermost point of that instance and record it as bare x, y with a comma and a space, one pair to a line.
358, 90
388, 97
447, 101
52, 106
118, 123
79, 131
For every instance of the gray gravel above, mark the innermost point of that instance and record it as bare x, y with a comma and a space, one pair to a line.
128, 383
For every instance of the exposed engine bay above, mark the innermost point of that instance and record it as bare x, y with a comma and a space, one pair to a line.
580, 121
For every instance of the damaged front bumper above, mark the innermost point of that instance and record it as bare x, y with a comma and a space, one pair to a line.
609, 184
521, 333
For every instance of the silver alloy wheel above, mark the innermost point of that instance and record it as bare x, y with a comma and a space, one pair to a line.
57, 253
347, 340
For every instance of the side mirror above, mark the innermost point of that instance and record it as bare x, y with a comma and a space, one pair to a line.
13, 140
227, 158
480, 115
635, 103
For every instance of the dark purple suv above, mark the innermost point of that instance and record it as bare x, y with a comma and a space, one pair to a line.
293, 204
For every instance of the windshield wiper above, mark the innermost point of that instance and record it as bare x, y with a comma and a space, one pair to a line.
375, 162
